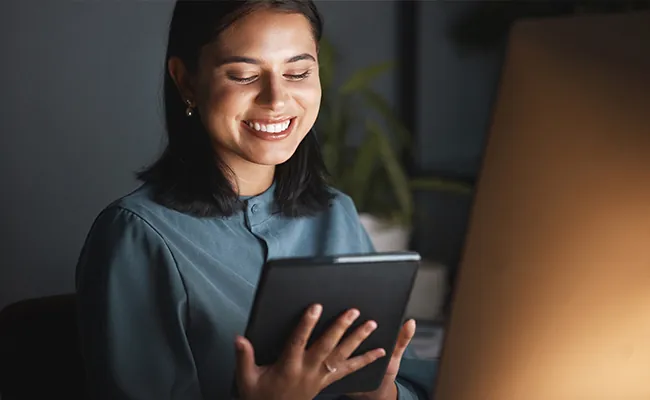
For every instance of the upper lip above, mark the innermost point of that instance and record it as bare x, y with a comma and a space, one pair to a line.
269, 120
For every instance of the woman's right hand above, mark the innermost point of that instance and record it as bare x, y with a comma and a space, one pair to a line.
301, 373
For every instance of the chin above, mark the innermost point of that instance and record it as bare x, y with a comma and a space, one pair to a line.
272, 153
270, 159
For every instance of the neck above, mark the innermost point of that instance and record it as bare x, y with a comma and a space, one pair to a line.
255, 180
251, 179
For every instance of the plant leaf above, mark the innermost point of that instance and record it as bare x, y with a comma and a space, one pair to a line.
358, 177
396, 174
326, 61
332, 128
376, 101
362, 77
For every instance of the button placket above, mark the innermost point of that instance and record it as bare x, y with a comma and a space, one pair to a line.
256, 213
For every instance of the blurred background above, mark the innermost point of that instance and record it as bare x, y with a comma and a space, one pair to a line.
409, 88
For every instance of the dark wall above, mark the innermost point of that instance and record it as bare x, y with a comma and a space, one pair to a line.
80, 112
454, 89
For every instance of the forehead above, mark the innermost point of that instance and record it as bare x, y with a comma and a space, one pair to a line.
267, 34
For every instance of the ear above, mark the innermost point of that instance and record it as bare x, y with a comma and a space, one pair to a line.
182, 78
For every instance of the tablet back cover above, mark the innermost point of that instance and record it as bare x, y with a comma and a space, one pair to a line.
380, 291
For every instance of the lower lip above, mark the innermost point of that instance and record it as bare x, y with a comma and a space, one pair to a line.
271, 136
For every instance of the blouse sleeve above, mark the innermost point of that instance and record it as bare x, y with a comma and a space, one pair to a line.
132, 310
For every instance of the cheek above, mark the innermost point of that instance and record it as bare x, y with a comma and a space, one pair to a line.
309, 97
221, 105
226, 101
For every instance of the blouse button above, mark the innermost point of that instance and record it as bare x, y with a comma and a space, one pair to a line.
254, 208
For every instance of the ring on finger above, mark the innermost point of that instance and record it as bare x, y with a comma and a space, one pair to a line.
329, 368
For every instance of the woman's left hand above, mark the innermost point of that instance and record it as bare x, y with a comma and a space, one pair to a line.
388, 389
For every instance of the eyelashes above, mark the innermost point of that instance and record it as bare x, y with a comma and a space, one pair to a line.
299, 77
291, 77
242, 80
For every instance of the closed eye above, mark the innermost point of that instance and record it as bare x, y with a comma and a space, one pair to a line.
298, 77
248, 79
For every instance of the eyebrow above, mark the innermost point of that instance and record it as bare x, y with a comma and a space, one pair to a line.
248, 60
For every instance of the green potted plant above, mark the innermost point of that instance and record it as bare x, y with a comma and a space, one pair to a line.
372, 171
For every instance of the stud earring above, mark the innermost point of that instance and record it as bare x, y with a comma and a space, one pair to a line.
189, 111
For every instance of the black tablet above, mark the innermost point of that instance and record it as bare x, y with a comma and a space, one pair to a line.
378, 285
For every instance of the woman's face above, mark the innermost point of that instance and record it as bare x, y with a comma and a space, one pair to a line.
257, 87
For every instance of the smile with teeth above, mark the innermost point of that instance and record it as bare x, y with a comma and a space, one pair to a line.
270, 128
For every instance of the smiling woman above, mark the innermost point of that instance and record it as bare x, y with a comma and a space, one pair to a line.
242, 81
167, 275
242, 78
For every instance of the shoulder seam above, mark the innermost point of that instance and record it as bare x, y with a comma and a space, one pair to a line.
162, 238
141, 218
353, 218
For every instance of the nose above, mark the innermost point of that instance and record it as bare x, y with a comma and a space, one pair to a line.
273, 94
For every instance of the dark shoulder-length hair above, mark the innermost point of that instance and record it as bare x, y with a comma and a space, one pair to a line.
189, 176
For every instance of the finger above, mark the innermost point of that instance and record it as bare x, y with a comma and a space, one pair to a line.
406, 334
296, 347
356, 363
246, 367
344, 350
330, 339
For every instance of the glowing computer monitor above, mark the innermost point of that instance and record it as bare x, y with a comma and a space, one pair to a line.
552, 300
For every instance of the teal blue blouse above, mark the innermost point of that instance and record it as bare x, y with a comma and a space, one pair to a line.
162, 294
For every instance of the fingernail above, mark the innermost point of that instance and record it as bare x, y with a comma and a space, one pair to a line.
381, 352
239, 345
372, 325
315, 310
353, 314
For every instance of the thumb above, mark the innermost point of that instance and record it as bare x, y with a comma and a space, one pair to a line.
246, 367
